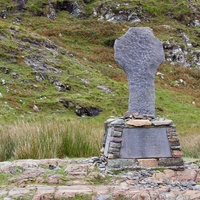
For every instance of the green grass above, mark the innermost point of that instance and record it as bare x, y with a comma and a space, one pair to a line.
183, 113
81, 197
99, 179
3, 179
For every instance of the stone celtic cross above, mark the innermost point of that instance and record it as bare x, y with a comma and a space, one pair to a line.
139, 53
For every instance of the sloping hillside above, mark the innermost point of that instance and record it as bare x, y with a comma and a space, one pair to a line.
56, 60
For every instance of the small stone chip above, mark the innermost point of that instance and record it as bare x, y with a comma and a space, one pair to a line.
115, 145
177, 154
116, 134
161, 122
116, 139
110, 156
113, 150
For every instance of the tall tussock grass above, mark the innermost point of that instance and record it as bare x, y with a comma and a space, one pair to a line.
50, 139
61, 138
191, 145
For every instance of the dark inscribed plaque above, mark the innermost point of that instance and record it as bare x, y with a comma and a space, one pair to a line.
145, 143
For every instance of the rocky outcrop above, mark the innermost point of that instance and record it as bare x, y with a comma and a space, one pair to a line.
3, 14
92, 179
77, 10
48, 8
184, 53
51, 14
80, 110
20, 4
84, 111
44, 57
116, 14
187, 54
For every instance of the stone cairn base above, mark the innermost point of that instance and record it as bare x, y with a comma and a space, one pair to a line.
112, 144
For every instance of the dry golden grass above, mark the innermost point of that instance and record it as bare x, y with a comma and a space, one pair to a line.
49, 139
191, 144
61, 138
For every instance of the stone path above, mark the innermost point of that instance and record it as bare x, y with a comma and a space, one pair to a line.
90, 179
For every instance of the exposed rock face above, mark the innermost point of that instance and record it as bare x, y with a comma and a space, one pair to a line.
187, 56
66, 104
20, 4
91, 111
184, 53
3, 14
43, 56
72, 7
176, 54
62, 87
139, 53
116, 14
87, 1
123, 16
52, 13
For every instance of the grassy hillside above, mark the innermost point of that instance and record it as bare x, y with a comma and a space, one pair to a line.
38, 56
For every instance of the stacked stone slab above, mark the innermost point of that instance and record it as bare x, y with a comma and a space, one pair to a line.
114, 129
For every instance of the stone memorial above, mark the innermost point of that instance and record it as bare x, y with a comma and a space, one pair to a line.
139, 53
139, 135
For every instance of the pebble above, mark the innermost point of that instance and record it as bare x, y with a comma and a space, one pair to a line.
54, 167
118, 122
196, 187
161, 122
104, 197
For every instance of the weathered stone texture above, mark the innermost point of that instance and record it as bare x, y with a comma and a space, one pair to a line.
170, 162
116, 134
139, 53
139, 122
148, 162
